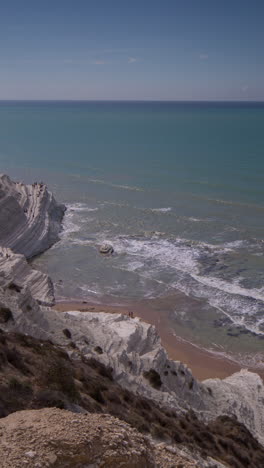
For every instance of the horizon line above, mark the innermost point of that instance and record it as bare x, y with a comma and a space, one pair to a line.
137, 100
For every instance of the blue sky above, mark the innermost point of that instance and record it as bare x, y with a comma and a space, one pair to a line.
130, 49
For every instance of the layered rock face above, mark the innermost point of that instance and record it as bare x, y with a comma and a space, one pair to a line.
30, 221
15, 271
30, 218
140, 363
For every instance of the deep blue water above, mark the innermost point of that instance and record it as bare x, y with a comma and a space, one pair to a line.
177, 188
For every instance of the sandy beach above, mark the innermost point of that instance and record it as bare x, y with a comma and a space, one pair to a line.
204, 364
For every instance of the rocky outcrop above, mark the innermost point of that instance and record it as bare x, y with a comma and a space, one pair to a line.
30, 218
133, 349
15, 271
242, 395
139, 362
58, 438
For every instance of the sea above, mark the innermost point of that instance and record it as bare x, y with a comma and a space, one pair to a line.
177, 188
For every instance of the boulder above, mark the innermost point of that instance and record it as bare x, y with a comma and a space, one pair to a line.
106, 249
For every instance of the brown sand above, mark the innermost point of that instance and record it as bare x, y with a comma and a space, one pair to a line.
204, 364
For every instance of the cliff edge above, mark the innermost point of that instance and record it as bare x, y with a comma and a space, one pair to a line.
30, 217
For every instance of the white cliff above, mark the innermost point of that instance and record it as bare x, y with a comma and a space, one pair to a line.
14, 270
133, 349
30, 218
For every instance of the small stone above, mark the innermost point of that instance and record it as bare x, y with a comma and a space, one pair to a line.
31, 454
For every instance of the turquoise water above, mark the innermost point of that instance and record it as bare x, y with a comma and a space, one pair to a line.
177, 188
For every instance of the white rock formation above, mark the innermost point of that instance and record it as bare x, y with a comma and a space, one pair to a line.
30, 218
132, 348
242, 395
14, 269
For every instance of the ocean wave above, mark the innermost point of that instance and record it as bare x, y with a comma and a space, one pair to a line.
73, 220
68, 225
161, 210
79, 207
176, 255
119, 186
88, 290
230, 287
180, 264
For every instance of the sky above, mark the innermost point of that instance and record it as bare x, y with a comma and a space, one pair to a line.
132, 50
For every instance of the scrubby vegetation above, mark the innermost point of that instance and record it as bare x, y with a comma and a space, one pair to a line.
154, 378
37, 374
5, 315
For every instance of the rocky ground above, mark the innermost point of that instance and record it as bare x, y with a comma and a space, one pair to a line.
58, 438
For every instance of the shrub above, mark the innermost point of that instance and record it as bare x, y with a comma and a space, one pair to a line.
58, 376
113, 398
154, 378
14, 287
98, 350
5, 315
96, 394
191, 384
103, 370
49, 399
67, 333
20, 386
15, 358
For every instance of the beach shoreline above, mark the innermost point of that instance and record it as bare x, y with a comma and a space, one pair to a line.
203, 363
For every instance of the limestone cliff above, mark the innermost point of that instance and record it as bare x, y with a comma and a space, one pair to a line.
30, 218
139, 362
15, 271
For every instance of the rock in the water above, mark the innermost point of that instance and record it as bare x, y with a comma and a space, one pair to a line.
106, 249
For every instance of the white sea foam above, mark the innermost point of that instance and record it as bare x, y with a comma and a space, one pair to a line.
161, 251
196, 220
230, 287
162, 210
235, 244
181, 260
72, 220
69, 226
88, 290
119, 186
134, 266
77, 207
